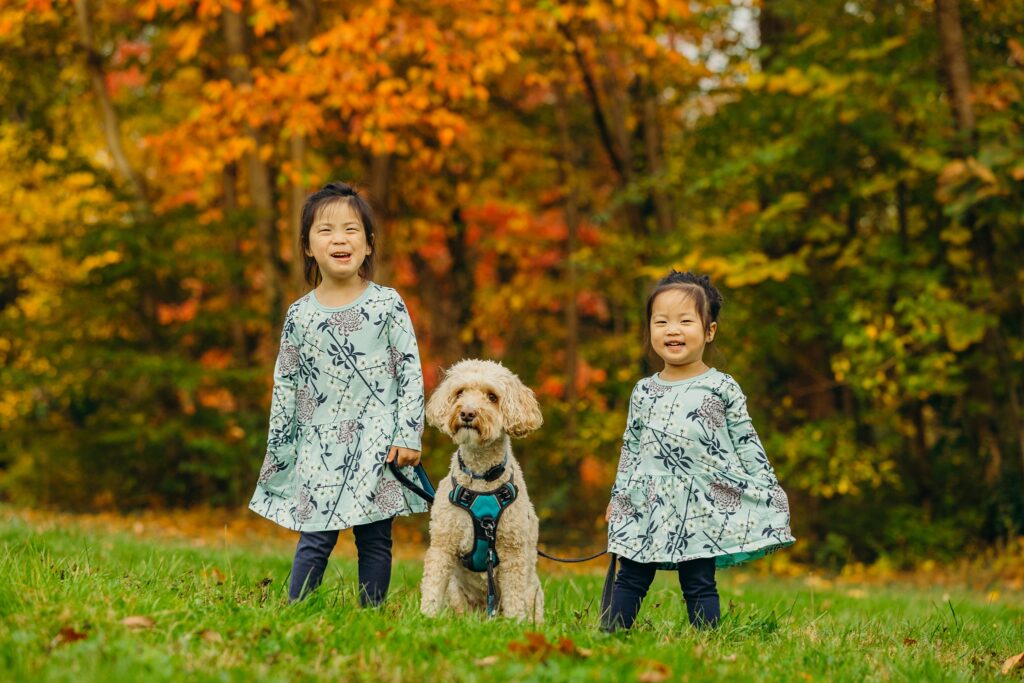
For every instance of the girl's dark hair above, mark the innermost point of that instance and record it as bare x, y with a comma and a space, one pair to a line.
706, 299
334, 193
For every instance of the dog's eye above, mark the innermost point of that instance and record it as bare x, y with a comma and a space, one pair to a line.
492, 398
458, 393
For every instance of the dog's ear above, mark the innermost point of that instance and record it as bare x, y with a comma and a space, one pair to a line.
440, 404
519, 408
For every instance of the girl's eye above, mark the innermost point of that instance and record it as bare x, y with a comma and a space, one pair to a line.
492, 398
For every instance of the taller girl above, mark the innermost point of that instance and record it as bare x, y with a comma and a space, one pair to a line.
348, 397
694, 489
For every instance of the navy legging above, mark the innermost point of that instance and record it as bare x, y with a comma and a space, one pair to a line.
373, 545
696, 578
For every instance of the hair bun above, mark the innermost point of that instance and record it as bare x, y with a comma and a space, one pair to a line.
343, 189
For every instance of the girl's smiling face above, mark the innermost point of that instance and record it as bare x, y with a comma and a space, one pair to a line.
677, 333
337, 241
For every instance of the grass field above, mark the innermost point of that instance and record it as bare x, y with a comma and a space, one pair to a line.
87, 605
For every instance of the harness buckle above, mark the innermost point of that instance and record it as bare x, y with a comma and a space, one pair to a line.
488, 526
464, 497
505, 495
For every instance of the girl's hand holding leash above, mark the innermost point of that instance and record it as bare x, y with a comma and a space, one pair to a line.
608, 512
406, 456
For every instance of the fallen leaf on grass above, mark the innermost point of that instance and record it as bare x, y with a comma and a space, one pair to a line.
537, 645
656, 672
67, 634
1014, 662
729, 658
138, 622
214, 575
211, 636
909, 641
486, 661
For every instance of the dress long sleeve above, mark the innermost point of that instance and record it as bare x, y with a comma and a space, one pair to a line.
279, 463
629, 456
746, 444
404, 362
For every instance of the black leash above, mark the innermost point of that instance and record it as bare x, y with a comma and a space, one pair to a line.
568, 560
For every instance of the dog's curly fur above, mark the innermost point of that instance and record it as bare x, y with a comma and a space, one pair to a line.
480, 404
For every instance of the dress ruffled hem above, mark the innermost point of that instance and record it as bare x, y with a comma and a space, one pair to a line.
722, 560
281, 516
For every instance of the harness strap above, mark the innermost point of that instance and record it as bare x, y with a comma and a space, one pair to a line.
492, 592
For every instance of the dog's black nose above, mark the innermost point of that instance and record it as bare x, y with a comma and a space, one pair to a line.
467, 415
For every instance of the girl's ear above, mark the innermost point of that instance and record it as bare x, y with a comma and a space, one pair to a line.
519, 408
439, 406
712, 328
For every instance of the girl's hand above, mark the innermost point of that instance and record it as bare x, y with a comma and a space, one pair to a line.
608, 513
405, 456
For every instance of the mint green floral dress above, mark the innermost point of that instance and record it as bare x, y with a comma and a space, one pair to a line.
693, 479
347, 387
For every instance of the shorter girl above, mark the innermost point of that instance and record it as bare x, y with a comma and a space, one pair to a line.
694, 488
348, 397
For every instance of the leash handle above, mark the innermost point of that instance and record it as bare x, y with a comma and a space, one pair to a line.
426, 492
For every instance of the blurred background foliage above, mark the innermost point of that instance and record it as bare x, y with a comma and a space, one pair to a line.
848, 172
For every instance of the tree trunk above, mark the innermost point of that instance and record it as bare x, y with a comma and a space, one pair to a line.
572, 322
236, 284
380, 187
652, 147
257, 173
108, 117
304, 19
954, 66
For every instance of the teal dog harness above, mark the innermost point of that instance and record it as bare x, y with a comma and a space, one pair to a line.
484, 508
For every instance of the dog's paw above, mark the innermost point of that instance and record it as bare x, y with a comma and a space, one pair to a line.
430, 608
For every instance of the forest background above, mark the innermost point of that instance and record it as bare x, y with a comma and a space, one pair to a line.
848, 172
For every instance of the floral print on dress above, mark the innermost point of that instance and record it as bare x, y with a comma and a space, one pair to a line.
347, 321
655, 389
305, 404
777, 499
288, 359
269, 469
304, 508
693, 480
726, 497
347, 431
627, 460
388, 497
622, 509
348, 386
394, 360
713, 410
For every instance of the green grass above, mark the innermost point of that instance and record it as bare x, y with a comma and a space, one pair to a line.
244, 630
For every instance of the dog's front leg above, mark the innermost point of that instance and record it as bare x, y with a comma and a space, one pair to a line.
437, 572
517, 584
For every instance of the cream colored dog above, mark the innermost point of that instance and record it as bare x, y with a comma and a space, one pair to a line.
480, 405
